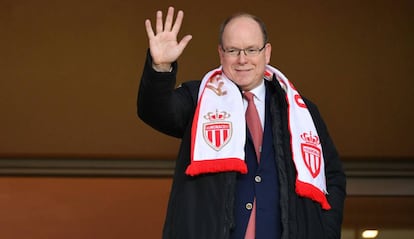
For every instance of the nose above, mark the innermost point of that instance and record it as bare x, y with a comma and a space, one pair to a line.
242, 57
244, 52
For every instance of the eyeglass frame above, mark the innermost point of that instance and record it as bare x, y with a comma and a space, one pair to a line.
232, 51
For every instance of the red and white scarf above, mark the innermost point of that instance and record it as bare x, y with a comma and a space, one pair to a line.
219, 134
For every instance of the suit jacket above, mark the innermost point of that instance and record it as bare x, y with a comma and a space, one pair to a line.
202, 207
266, 191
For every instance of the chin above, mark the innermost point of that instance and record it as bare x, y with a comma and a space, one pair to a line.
242, 83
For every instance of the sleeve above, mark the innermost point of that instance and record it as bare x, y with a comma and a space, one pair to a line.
163, 106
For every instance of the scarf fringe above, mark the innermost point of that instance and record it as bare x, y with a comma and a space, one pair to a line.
216, 165
308, 190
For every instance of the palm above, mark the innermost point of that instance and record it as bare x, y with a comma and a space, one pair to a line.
164, 48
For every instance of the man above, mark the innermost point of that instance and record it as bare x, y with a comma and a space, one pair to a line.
226, 185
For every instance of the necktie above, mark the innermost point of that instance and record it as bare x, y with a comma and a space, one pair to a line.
253, 123
256, 131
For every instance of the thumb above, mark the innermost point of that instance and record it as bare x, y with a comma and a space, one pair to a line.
184, 42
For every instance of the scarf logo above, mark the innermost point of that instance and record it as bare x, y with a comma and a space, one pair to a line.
215, 83
311, 153
299, 101
217, 133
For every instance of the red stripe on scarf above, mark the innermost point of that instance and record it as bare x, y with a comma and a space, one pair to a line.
216, 165
308, 190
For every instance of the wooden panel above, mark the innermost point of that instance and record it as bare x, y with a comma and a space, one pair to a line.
379, 212
107, 208
82, 208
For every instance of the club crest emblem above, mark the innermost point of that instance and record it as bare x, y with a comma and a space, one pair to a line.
217, 133
311, 153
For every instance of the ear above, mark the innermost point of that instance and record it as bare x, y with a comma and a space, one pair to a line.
268, 52
221, 53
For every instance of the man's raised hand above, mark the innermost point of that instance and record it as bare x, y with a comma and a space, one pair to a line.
163, 44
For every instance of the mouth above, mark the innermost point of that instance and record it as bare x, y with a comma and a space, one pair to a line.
242, 70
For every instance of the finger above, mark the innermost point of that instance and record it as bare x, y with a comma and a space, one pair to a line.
178, 22
184, 42
159, 27
148, 28
169, 19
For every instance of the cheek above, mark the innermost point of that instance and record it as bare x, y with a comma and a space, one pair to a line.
224, 61
226, 64
227, 70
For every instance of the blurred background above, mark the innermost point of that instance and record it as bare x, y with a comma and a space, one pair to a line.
76, 162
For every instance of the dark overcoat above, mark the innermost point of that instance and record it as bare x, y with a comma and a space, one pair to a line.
202, 207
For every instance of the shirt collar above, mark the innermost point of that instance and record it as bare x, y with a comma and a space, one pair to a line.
260, 92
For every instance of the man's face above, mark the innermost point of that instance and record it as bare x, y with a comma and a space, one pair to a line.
246, 71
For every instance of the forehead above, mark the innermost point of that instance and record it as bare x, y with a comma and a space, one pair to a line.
244, 31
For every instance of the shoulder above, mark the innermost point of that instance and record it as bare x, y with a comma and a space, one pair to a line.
310, 104
313, 110
192, 84
189, 89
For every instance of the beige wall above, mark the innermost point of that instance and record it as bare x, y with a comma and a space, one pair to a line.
70, 70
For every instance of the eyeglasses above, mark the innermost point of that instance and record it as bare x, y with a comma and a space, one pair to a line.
247, 52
